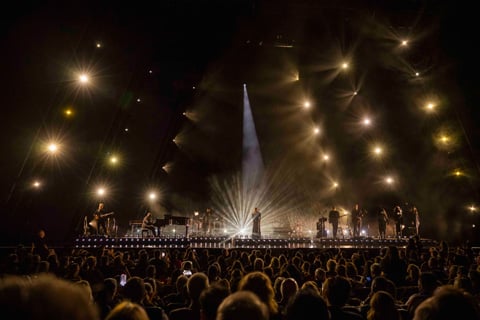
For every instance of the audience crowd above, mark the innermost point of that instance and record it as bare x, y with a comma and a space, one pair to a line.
394, 283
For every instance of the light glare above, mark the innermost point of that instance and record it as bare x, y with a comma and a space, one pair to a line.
83, 78
52, 148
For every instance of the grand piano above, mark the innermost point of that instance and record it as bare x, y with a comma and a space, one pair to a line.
168, 220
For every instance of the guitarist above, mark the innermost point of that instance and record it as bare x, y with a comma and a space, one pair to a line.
357, 216
333, 217
100, 217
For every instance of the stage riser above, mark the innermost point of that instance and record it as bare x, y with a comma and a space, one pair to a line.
226, 242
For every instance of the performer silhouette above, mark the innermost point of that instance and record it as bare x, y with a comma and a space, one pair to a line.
149, 224
256, 216
382, 223
357, 215
398, 218
333, 217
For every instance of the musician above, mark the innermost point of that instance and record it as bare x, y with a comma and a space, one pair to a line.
357, 215
398, 218
148, 222
40, 245
382, 219
333, 218
99, 219
416, 221
207, 221
256, 218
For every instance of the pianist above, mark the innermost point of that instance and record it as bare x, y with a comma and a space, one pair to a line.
148, 223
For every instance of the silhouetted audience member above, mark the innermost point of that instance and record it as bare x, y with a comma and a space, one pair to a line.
337, 292
177, 299
127, 310
107, 298
195, 285
210, 299
427, 284
320, 276
448, 303
288, 289
134, 290
85, 285
260, 284
276, 288
413, 275
45, 297
242, 305
393, 266
382, 307
311, 285
307, 304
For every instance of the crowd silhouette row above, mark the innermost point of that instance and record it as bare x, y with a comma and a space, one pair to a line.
395, 283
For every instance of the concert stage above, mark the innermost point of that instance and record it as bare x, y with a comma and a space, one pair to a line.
240, 242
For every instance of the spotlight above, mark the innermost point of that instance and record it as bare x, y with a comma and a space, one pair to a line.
83, 78
52, 147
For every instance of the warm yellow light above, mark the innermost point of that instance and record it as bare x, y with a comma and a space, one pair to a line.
335, 184
52, 148
417, 74
377, 150
444, 139
404, 42
472, 208
68, 112
344, 65
306, 104
457, 173
113, 159
366, 121
152, 195
389, 180
83, 78
100, 191
316, 130
326, 157
430, 106
99, 44
37, 184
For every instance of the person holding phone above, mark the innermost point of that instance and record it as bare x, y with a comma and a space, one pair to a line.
123, 279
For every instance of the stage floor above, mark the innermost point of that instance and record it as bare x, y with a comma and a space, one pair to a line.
241, 242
